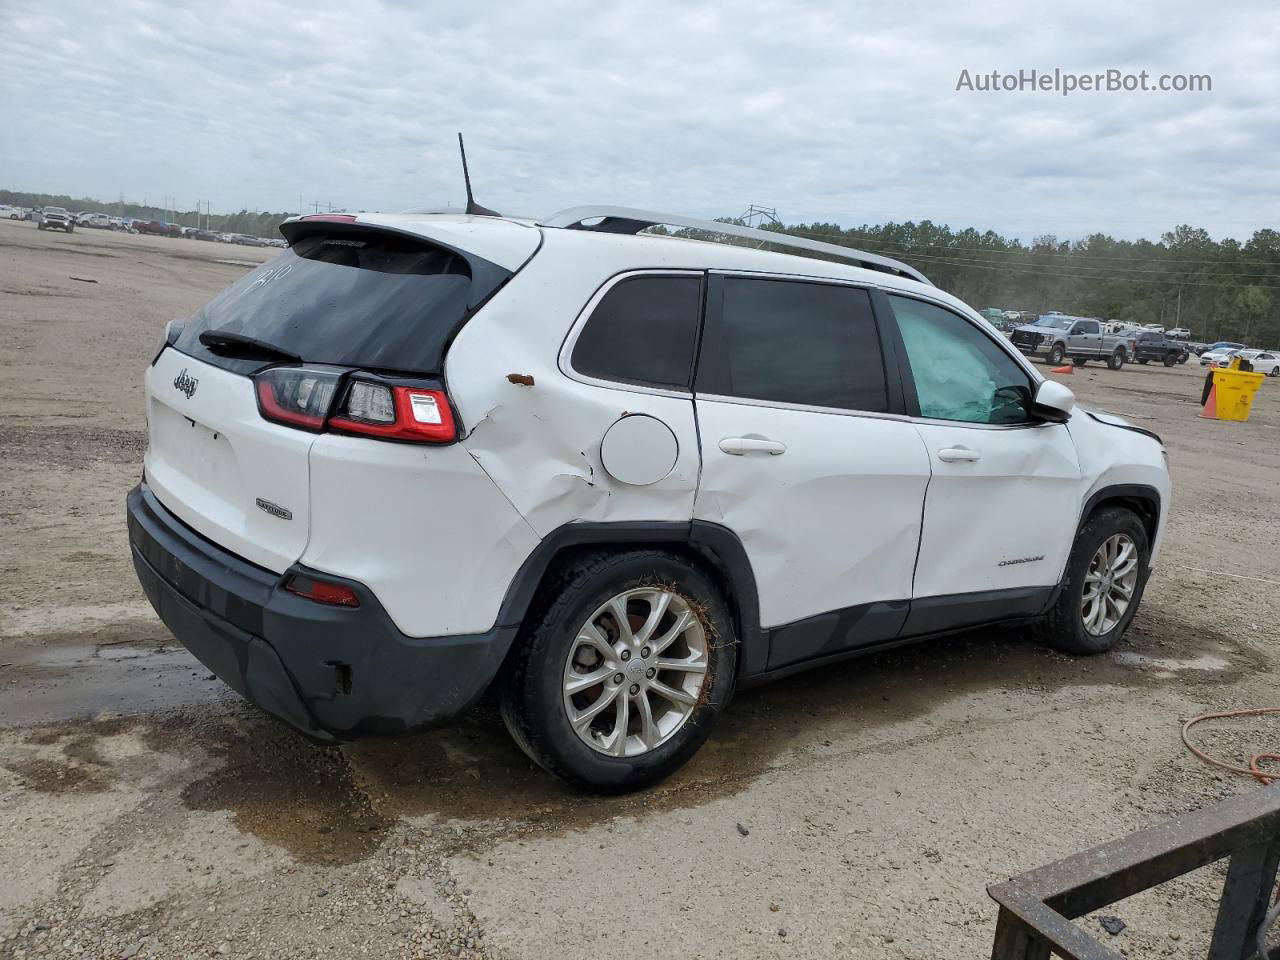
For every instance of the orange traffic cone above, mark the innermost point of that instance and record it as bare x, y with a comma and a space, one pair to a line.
1210, 411
1069, 368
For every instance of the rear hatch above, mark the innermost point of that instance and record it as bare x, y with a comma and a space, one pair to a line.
346, 296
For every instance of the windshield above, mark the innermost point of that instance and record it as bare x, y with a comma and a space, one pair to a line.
1061, 323
371, 299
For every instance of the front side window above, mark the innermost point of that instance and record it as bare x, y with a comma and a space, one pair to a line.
643, 331
959, 373
1087, 326
789, 341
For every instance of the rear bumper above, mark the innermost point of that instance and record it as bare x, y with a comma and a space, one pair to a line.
334, 673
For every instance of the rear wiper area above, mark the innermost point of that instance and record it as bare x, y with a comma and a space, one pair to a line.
232, 344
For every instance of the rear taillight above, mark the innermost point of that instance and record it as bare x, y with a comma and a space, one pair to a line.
297, 396
322, 591
326, 398
395, 412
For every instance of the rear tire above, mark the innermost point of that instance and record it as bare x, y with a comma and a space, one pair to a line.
1116, 360
572, 730
1074, 625
1056, 353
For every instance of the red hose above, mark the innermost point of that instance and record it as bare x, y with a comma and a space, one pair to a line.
1254, 769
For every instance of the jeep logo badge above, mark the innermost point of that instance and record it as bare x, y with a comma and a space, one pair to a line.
186, 383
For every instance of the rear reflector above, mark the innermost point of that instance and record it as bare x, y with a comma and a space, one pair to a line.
322, 591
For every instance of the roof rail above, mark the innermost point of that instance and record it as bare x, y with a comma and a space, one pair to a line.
628, 220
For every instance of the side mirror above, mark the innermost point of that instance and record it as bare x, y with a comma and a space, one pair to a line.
1053, 402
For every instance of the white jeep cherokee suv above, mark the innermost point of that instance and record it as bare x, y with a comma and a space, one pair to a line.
609, 475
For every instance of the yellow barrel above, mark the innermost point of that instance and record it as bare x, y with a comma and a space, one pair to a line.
1233, 392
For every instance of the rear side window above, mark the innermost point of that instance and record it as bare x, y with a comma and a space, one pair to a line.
794, 342
357, 298
643, 331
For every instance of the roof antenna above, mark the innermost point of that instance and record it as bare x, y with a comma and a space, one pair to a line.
473, 208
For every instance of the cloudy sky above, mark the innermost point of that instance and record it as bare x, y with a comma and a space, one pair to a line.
840, 111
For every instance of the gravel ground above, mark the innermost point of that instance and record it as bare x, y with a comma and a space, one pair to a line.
861, 811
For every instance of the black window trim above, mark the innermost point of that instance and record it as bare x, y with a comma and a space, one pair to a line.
713, 312
565, 358
888, 321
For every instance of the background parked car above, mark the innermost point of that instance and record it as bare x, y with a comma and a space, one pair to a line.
51, 218
98, 221
1216, 358
1150, 345
10, 213
1263, 361
1217, 351
156, 228
1080, 338
210, 235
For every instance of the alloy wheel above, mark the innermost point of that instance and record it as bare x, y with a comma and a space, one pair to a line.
635, 671
1109, 584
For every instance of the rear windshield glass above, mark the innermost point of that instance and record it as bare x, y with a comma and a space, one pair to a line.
367, 299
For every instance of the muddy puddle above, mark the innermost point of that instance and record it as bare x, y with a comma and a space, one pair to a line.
287, 792
69, 680
336, 805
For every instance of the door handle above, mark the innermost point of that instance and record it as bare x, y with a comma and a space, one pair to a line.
958, 455
737, 446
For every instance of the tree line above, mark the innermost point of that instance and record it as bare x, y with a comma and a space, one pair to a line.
1220, 290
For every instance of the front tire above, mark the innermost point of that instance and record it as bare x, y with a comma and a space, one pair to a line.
1105, 577
626, 663
1056, 354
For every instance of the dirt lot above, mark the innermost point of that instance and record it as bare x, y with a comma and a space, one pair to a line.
145, 811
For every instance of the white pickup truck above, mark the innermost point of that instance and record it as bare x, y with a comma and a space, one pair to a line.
1057, 337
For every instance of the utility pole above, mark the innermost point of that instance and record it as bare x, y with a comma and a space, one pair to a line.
757, 215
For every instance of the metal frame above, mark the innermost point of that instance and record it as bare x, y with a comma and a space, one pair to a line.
629, 220
1036, 908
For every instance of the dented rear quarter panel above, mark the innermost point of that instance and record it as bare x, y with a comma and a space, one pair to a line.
540, 442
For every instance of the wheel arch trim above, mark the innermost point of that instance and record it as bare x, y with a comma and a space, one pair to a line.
1146, 497
713, 546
